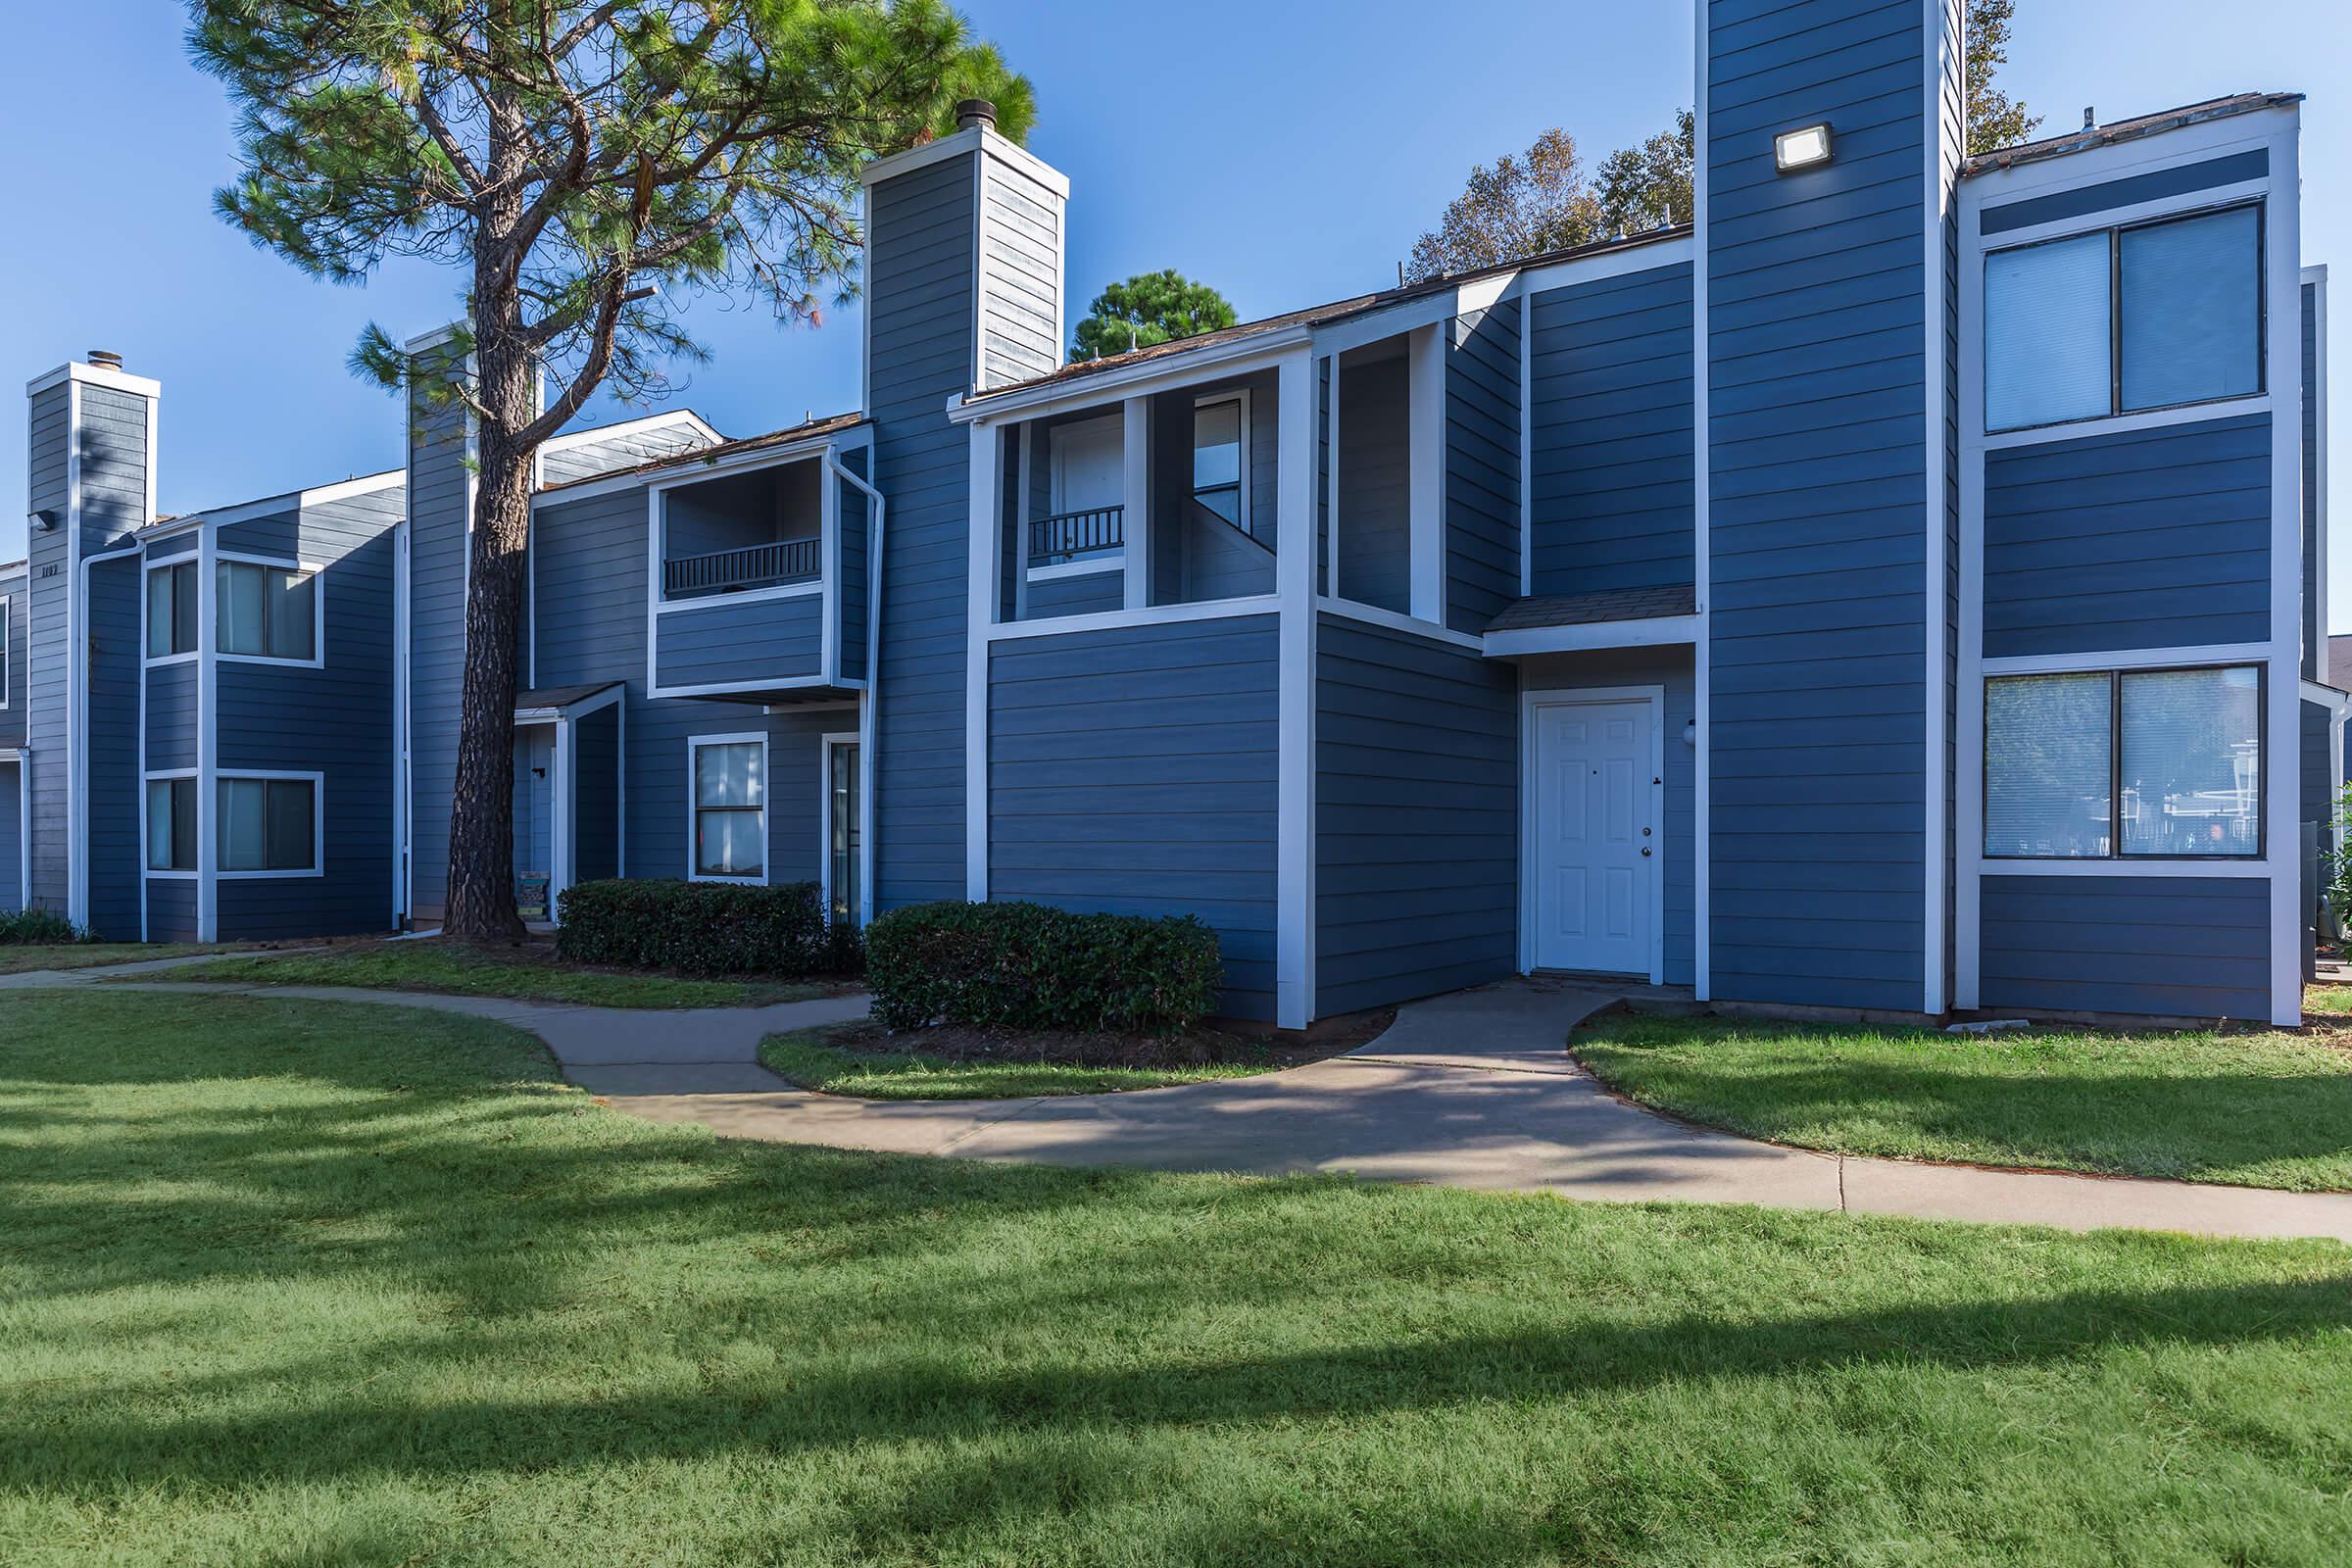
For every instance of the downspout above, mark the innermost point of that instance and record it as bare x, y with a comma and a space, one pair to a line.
77, 753
867, 729
24, 823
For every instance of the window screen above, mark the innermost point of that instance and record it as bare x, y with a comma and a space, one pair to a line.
2047, 355
2192, 762
2047, 766
729, 811
2192, 309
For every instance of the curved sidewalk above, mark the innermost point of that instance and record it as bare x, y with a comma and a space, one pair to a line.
1472, 1090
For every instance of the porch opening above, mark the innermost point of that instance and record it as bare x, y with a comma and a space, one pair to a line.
762, 529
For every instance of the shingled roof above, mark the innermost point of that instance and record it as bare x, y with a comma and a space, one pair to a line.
2090, 136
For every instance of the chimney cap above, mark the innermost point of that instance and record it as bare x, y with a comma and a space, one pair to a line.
106, 358
971, 112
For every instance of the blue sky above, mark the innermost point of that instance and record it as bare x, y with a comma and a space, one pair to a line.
1287, 152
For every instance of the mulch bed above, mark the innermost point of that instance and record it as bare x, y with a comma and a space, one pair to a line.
1192, 1049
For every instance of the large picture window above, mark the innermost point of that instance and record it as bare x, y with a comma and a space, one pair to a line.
2124, 320
268, 612
268, 826
2153, 764
729, 778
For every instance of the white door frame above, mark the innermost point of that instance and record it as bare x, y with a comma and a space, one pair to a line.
1530, 703
826, 745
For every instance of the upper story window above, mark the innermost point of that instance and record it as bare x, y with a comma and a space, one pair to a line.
171, 604
268, 612
2153, 316
2159, 764
1220, 457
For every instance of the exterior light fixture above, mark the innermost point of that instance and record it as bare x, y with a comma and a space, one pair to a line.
1792, 150
43, 521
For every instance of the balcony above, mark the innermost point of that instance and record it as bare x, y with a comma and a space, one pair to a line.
1057, 540
734, 571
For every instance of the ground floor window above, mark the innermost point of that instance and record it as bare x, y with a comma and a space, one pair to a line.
172, 824
729, 784
2105, 764
269, 825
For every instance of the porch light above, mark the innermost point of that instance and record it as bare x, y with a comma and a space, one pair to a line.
1792, 150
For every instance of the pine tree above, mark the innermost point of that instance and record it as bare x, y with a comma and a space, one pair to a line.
1149, 307
583, 166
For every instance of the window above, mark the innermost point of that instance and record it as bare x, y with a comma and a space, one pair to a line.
2156, 315
1220, 458
840, 828
268, 826
171, 609
730, 807
267, 612
4, 647
2158, 764
172, 824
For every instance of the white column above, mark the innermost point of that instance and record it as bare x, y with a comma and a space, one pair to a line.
987, 551
563, 791
1428, 446
1137, 453
1295, 788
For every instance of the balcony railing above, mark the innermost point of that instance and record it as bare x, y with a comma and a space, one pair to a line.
728, 571
1077, 533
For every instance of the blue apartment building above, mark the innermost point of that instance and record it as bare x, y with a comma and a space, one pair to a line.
1900, 589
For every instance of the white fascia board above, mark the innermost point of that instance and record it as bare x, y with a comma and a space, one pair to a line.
2142, 155
1609, 263
978, 138
272, 506
637, 426
1260, 351
1660, 631
137, 386
688, 468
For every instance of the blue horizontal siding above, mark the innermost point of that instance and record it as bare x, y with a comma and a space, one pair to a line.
2175, 946
2150, 539
736, 642
1614, 502
1482, 464
1081, 594
1416, 818
1134, 772
2108, 195
171, 717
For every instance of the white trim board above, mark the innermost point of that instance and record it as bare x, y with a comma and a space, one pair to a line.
1598, 636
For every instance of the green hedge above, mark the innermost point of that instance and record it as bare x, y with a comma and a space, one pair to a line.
1030, 966
703, 928
31, 927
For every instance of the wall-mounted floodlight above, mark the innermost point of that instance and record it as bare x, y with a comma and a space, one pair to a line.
1792, 150
42, 521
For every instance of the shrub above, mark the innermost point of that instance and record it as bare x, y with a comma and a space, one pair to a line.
1030, 966
28, 927
703, 928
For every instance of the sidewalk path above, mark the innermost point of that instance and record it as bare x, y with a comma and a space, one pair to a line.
1471, 1090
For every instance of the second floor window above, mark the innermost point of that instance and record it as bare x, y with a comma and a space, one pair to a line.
171, 609
1220, 467
268, 612
2124, 320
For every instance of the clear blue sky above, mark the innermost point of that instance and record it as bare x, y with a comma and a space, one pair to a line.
1287, 151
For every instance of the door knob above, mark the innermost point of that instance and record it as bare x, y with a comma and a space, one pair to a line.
1645, 850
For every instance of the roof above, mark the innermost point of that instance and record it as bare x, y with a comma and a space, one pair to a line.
1585, 610
809, 431
289, 497
2091, 137
559, 697
1335, 310
8, 568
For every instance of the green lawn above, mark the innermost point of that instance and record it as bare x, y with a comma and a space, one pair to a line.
808, 1060
528, 974
14, 960
283, 1283
2260, 1109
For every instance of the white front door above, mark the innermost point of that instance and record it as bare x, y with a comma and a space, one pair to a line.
1593, 855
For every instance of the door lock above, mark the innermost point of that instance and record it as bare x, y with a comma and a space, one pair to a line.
1644, 852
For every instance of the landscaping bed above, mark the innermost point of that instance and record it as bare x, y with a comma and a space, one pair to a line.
961, 1062
528, 971
289, 1282
2252, 1107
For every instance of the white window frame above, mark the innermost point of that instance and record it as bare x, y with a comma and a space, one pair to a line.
315, 572
7, 671
694, 809
2114, 229
826, 745
191, 559
1203, 400
164, 775
318, 782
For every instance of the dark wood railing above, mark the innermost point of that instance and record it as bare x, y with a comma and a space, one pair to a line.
726, 571
1077, 533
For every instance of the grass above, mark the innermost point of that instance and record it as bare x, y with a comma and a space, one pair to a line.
529, 974
816, 1059
25, 958
294, 1284
2260, 1109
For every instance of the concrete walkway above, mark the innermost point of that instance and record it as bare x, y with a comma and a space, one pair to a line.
1473, 1090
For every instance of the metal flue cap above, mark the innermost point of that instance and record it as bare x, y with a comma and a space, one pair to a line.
975, 111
